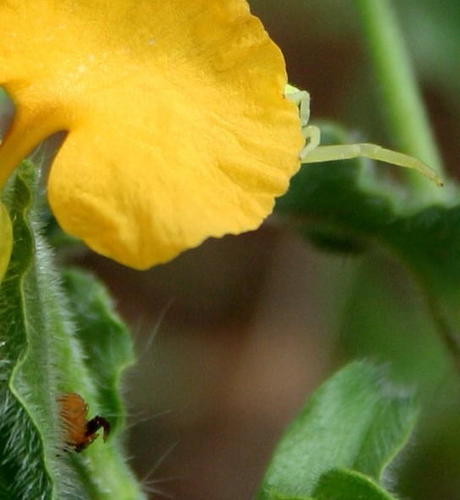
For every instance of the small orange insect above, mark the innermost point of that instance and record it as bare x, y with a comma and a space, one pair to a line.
79, 432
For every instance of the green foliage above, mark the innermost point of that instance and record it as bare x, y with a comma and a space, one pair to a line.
354, 421
384, 319
348, 200
349, 206
341, 484
58, 333
108, 356
42, 357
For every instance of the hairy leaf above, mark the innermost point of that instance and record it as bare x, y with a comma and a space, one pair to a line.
342, 484
354, 421
42, 357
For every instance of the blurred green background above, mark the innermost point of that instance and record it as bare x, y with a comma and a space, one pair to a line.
234, 335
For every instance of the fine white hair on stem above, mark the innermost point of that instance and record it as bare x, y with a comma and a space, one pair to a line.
149, 484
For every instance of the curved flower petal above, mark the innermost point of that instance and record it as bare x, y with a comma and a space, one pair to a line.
178, 128
6, 240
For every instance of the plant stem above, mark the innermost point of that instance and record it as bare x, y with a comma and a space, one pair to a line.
408, 121
405, 112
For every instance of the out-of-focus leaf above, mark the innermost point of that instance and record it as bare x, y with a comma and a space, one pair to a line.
433, 35
342, 484
347, 200
354, 421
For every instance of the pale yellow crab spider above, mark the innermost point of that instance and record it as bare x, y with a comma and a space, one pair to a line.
314, 153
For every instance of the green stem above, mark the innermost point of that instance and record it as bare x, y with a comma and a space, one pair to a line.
55, 341
405, 111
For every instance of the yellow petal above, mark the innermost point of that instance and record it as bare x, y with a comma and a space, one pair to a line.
6, 240
178, 126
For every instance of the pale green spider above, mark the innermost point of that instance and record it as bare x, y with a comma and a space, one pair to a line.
314, 153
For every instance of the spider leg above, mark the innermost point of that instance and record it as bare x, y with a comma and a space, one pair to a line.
311, 134
372, 151
312, 152
312, 137
301, 98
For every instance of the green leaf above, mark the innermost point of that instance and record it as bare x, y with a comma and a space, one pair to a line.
429, 243
104, 338
346, 201
419, 224
354, 420
340, 484
43, 357
406, 340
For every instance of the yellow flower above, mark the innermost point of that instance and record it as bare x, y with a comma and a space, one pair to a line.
178, 128
6, 240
